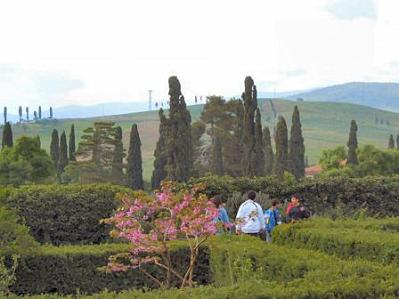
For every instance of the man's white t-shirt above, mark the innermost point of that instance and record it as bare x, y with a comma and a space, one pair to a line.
250, 217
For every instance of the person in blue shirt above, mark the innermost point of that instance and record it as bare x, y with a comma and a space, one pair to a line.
272, 218
222, 217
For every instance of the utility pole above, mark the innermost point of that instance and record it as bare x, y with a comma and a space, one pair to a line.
149, 100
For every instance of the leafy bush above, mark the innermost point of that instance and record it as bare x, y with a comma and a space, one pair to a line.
342, 240
69, 214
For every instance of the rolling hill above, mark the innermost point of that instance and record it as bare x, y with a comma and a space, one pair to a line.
377, 95
325, 125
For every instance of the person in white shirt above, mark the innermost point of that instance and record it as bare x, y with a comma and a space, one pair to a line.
250, 219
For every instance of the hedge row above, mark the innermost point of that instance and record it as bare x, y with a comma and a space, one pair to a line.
71, 269
59, 214
347, 242
377, 196
245, 267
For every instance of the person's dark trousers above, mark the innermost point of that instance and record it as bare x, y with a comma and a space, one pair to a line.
253, 234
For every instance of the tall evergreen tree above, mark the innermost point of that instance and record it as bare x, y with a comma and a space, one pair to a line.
63, 155
134, 161
250, 104
51, 112
258, 163
217, 157
27, 113
20, 113
5, 114
391, 143
281, 163
179, 144
35, 115
55, 148
7, 139
117, 165
269, 156
397, 141
352, 144
72, 145
296, 149
159, 173
40, 112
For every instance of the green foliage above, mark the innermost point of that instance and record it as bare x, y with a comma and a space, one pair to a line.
347, 239
217, 157
7, 140
134, 161
117, 165
55, 148
7, 274
258, 163
160, 154
269, 156
391, 143
332, 158
14, 235
70, 214
63, 156
296, 150
25, 162
281, 161
72, 145
352, 144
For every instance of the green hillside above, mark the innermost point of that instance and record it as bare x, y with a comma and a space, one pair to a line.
325, 125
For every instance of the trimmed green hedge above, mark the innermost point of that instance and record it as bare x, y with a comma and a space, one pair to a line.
342, 240
58, 214
378, 196
69, 269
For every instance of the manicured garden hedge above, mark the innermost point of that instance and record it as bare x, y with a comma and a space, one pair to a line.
69, 269
377, 196
343, 240
59, 214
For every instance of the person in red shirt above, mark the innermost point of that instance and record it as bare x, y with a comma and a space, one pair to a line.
294, 202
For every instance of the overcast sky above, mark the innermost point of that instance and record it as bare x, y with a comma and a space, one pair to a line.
69, 52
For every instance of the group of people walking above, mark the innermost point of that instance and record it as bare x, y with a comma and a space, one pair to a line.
252, 220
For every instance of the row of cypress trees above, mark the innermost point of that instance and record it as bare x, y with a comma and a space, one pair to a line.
59, 153
37, 115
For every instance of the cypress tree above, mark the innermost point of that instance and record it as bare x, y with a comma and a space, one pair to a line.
179, 144
281, 163
40, 112
296, 147
5, 115
55, 148
27, 113
63, 155
72, 145
269, 156
391, 143
250, 104
134, 161
397, 141
7, 139
35, 115
258, 163
217, 157
352, 144
51, 112
20, 113
117, 165
159, 173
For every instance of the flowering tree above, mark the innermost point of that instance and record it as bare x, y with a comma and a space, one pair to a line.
149, 223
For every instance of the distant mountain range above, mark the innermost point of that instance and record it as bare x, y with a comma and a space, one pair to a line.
377, 95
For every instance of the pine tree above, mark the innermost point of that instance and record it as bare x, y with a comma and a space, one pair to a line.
63, 155
352, 144
72, 146
5, 115
179, 144
117, 166
27, 113
20, 113
269, 156
217, 157
391, 143
258, 164
7, 140
40, 112
159, 173
51, 112
134, 161
250, 104
281, 163
55, 148
296, 147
